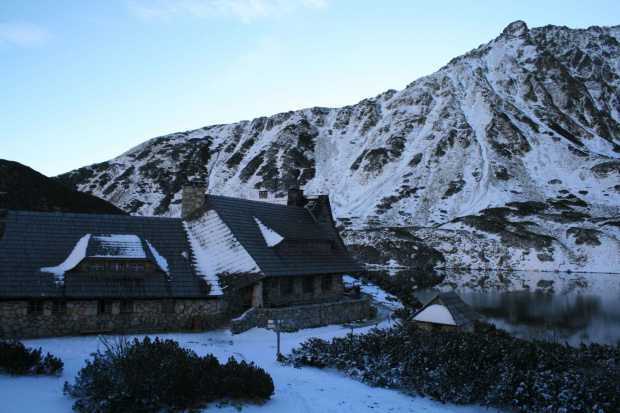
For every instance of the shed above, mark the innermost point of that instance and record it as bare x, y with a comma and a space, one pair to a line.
446, 311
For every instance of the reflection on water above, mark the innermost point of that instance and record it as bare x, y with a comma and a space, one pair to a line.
563, 307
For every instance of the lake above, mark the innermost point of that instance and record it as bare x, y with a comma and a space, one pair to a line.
572, 308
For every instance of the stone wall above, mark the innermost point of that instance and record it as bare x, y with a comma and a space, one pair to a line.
244, 322
83, 316
273, 295
305, 316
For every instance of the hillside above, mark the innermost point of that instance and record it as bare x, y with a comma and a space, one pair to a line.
507, 157
24, 189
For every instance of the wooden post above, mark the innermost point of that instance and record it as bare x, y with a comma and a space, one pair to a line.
278, 333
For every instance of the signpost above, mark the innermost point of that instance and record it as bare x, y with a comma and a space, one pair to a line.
275, 325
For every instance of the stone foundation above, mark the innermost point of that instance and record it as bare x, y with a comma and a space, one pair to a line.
304, 316
83, 316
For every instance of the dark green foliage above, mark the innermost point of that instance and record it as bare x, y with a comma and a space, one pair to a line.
606, 168
17, 360
415, 160
584, 235
565, 134
513, 234
251, 167
156, 375
527, 207
453, 188
376, 159
487, 367
240, 380
355, 166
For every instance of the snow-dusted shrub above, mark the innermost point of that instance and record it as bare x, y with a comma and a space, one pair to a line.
159, 375
488, 367
16, 359
240, 380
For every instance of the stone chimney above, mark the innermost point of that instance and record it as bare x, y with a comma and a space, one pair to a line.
295, 197
193, 197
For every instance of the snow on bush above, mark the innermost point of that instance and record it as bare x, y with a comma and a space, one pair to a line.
17, 360
488, 367
159, 375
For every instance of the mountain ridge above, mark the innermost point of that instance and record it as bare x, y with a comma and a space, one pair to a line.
507, 157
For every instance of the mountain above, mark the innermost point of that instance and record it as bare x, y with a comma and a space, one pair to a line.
24, 189
507, 157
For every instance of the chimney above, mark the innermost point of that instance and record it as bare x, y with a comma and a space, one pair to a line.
193, 197
262, 194
295, 196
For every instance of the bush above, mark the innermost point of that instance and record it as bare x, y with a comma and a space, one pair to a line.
17, 360
151, 376
488, 367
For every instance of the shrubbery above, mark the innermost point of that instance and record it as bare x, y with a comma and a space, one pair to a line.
156, 375
16, 360
488, 367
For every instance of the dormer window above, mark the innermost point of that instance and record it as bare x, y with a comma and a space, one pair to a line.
136, 267
307, 245
117, 266
96, 266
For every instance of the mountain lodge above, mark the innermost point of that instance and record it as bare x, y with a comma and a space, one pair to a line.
63, 274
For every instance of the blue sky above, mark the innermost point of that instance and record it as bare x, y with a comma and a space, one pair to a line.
84, 81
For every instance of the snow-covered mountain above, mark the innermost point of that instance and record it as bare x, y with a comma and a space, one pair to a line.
507, 157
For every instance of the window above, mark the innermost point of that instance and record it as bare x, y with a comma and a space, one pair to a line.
59, 306
136, 266
35, 307
307, 284
307, 245
326, 283
287, 285
96, 266
167, 305
126, 306
117, 266
105, 306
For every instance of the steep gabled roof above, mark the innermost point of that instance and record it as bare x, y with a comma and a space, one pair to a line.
33, 241
291, 223
457, 312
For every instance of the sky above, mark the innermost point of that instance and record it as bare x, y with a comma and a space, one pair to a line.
82, 82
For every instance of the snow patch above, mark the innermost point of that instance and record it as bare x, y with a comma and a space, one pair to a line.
77, 255
161, 261
271, 237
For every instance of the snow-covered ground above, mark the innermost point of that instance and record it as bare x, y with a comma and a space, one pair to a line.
296, 390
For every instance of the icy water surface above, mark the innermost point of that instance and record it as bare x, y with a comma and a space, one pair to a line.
573, 308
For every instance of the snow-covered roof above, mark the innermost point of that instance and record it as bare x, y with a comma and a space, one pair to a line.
264, 230
446, 308
435, 313
40, 255
120, 246
216, 251
116, 246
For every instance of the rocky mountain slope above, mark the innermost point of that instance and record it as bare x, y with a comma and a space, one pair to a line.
507, 157
24, 189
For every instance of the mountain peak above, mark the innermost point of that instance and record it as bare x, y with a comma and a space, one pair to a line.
503, 159
516, 29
